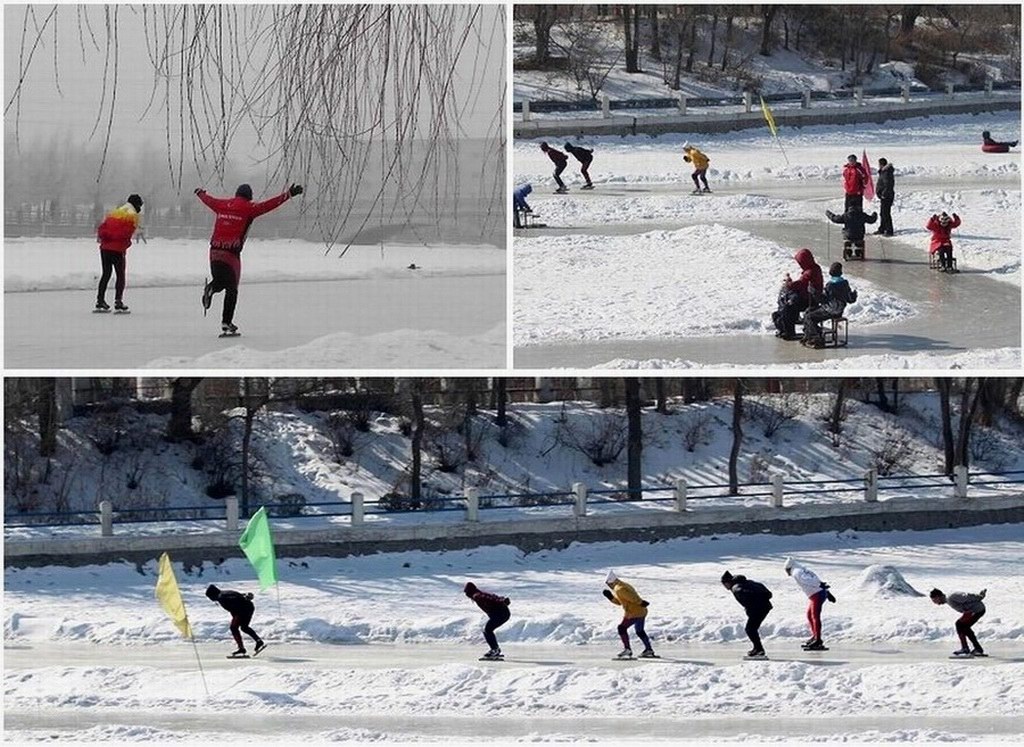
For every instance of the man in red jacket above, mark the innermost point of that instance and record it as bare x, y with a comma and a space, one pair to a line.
234, 216
497, 615
114, 235
854, 181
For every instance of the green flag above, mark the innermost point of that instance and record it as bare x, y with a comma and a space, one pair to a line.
258, 546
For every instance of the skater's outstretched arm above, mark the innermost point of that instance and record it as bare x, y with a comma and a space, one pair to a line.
259, 208
214, 203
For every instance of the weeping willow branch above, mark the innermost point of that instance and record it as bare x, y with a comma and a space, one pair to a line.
365, 104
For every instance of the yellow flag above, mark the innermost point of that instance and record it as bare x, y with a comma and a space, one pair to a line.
169, 596
768, 117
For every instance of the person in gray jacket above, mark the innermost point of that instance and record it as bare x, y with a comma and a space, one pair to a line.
971, 609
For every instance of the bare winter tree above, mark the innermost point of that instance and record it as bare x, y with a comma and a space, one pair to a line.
348, 98
634, 439
179, 426
737, 436
768, 13
631, 26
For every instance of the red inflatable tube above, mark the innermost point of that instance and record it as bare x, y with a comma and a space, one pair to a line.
996, 148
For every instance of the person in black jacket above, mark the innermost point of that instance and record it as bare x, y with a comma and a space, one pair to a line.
853, 221
885, 189
753, 597
497, 615
241, 608
560, 160
837, 295
585, 156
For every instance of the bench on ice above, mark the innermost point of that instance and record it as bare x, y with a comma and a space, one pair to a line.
935, 264
834, 331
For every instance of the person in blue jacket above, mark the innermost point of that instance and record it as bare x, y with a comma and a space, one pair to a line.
519, 204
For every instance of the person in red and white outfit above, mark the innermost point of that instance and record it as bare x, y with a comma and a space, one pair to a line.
817, 593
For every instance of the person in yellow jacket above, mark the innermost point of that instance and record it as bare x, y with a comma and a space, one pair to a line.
700, 167
634, 611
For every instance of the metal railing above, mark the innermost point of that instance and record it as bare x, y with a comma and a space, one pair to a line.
777, 492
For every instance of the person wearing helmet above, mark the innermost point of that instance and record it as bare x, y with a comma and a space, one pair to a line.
585, 156
560, 160
242, 609
114, 236
234, 216
941, 227
700, 167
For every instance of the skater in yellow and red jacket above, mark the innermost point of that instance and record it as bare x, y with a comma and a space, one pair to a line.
634, 610
114, 235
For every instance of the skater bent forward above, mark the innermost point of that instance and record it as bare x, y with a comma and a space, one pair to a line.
817, 593
700, 167
234, 216
634, 610
560, 160
754, 598
971, 609
497, 615
585, 156
241, 608
114, 235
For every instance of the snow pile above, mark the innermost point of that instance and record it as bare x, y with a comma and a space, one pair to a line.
887, 582
700, 280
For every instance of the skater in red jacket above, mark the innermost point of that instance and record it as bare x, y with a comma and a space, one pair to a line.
855, 179
234, 216
942, 226
114, 235
497, 615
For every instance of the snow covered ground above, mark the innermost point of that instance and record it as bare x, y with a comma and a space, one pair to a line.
384, 647
640, 259
298, 308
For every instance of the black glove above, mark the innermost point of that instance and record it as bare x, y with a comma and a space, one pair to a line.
824, 585
608, 595
295, 189
197, 190
506, 601
982, 594
249, 595
644, 603
829, 597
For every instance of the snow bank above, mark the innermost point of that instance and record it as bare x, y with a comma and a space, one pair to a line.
886, 581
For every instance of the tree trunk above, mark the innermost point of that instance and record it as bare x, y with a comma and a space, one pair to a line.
634, 443
737, 436
1013, 398
604, 386
660, 396
711, 36
501, 396
416, 398
543, 20
835, 421
693, 44
627, 27
767, 16
728, 41
785, 34
944, 385
46, 410
655, 33
968, 409
908, 18
179, 427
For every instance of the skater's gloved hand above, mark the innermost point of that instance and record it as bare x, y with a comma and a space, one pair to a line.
824, 585
829, 597
506, 601
644, 603
982, 594
249, 595
295, 189
198, 190
608, 594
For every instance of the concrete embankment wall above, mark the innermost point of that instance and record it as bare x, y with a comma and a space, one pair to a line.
642, 525
877, 113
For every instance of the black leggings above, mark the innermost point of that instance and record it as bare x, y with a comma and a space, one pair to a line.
559, 168
224, 279
754, 620
242, 622
494, 622
111, 261
946, 255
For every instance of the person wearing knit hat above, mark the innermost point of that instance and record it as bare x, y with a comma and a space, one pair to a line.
941, 227
700, 167
835, 297
634, 611
585, 156
497, 612
114, 235
561, 161
234, 217
242, 609
817, 592
754, 598
853, 222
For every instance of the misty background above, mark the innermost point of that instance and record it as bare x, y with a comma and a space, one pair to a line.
393, 138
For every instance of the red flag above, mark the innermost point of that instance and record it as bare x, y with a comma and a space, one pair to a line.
869, 186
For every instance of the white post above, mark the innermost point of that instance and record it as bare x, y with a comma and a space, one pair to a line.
777, 482
606, 109
472, 504
806, 104
871, 486
949, 90
988, 88
960, 482
748, 100
580, 509
680, 495
106, 519
231, 509
906, 93
682, 102
858, 93
526, 110
357, 508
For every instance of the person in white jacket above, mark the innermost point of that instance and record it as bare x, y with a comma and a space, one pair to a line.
817, 592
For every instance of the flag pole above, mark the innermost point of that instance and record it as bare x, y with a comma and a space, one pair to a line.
202, 673
779, 143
